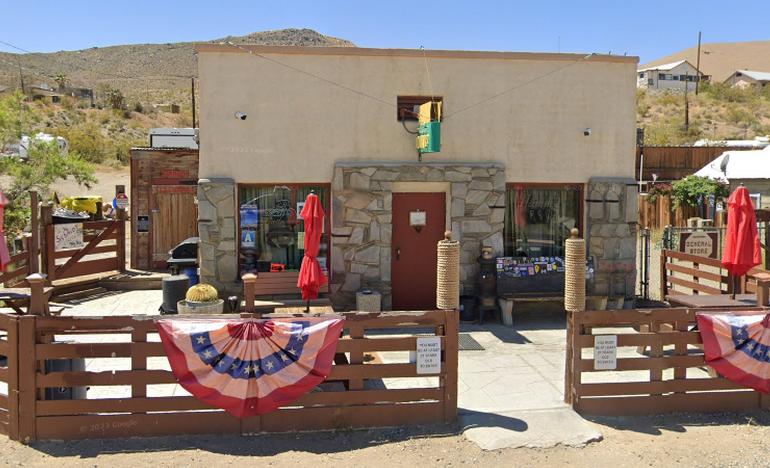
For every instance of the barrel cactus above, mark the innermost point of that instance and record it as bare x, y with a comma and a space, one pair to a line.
202, 293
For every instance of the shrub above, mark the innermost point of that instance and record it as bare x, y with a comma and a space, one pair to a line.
694, 190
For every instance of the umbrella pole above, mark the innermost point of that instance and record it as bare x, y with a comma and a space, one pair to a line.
307, 308
735, 284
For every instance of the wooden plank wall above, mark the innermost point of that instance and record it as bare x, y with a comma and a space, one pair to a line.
7, 370
363, 401
675, 162
662, 370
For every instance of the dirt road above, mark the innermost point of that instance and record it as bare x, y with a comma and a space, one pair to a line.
679, 440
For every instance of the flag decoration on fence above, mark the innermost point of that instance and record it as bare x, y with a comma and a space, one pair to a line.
250, 366
738, 347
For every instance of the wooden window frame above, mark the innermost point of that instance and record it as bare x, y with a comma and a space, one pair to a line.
292, 186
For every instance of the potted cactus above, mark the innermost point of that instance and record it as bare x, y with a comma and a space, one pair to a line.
201, 298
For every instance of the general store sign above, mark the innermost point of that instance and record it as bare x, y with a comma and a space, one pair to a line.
700, 243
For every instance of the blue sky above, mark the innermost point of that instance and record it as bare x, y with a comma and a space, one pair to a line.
647, 29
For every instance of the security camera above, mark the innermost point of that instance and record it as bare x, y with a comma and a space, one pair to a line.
587, 131
241, 115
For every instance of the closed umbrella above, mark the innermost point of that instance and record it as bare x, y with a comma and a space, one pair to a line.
311, 278
742, 251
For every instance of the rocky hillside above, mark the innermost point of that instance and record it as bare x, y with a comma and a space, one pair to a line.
143, 72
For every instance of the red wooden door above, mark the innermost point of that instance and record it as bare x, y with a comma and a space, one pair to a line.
413, 254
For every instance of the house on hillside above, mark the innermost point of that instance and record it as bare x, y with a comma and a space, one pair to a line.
531, 146
674, 75
747, 78
750, 168
46, 92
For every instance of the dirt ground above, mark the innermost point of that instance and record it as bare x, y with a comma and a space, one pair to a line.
677, 440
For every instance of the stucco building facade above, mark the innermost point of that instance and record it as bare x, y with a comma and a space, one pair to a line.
531, 145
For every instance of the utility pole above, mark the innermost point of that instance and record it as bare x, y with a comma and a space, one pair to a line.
21, 75
686, 103
192, 91
697, 66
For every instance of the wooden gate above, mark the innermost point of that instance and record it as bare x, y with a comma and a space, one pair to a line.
104, 250
174, 219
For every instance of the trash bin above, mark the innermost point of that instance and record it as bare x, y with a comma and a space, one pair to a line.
368, 301
65, 393
174, 290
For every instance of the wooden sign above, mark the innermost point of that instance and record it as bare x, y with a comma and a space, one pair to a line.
68, 236
700, 243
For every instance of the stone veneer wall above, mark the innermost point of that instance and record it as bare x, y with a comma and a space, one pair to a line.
216, 228
612, 214
362, 220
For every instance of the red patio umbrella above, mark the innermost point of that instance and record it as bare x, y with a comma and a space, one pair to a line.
311, 278
742, 251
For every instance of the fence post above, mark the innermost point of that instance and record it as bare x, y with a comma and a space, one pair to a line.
38, 304
663, 277
13, 377
451, 362
121, 241
249, 285
33, 245
27, 366
47, 244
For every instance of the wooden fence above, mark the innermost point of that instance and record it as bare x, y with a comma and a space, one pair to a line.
360, 399
661, 369
104, 250
16, 272
675, 162
662, 213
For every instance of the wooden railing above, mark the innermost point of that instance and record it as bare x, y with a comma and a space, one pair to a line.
17, 270
361, 397
682, 273
641, 384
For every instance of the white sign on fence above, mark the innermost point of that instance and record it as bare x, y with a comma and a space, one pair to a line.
68, 236
605, 352
428, 355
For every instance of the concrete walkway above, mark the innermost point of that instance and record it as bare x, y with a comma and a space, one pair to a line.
510, 394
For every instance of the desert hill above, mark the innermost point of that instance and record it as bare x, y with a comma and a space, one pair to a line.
721, 59
145, 72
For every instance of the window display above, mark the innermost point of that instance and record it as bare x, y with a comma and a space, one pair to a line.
271, 231
538, 218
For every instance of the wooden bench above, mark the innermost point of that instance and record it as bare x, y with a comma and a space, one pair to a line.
274, 287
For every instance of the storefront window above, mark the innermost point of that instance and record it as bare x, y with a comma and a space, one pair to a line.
539, 218
271, 231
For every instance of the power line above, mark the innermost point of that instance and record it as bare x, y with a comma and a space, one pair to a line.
305, 72
521, 85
